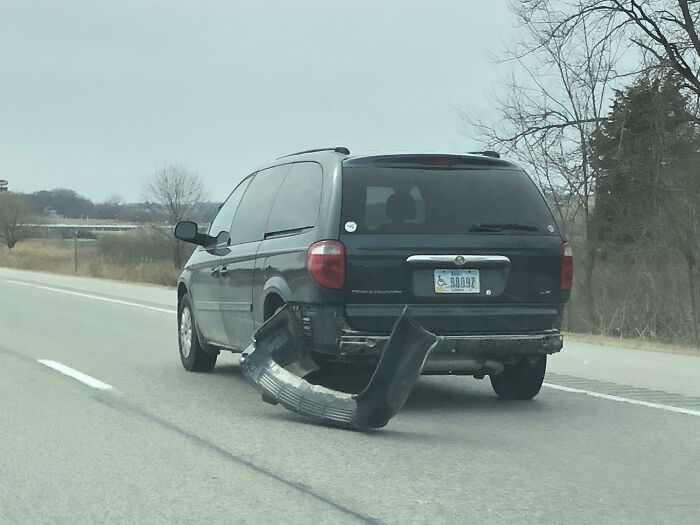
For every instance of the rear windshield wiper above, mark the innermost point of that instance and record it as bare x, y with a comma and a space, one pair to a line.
498, 227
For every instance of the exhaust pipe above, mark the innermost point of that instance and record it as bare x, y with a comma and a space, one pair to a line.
278, 348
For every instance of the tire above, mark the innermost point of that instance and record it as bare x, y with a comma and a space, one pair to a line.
193, 355
520, 381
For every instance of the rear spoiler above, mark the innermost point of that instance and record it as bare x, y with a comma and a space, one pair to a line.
427, 160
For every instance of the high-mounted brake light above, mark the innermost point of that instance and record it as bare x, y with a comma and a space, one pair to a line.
325, 261
566, 277
437, 160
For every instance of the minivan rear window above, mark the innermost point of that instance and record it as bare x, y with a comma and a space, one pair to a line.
432, 201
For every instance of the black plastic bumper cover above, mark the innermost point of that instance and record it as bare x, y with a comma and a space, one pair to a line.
278, 345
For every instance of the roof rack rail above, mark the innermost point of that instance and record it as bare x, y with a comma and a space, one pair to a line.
487, 153
339, 149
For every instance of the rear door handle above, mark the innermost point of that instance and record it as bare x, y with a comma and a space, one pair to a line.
224, 271
215, 271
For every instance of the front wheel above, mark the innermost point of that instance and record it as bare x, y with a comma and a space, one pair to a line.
522, 380
194, 358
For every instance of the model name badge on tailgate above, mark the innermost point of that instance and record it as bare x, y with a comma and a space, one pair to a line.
377, 292
457, 281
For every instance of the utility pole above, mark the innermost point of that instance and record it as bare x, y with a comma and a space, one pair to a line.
75, 251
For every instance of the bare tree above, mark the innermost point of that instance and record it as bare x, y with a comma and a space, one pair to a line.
176, 190
664, 31
555, 100
13, 219
109, 208
682, 210
113, 201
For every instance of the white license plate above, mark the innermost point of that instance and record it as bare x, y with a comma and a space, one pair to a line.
457, 281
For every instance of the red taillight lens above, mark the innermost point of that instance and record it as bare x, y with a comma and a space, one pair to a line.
325, 261
566, 278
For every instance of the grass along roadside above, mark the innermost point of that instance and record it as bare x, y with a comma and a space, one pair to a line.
634, 344
57, 256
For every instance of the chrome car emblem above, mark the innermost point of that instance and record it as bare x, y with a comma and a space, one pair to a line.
459, 260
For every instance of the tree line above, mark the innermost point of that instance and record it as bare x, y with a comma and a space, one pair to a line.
67, 203
172, 193
603, 107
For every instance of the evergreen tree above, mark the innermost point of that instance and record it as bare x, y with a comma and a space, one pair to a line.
646, 151
648, 196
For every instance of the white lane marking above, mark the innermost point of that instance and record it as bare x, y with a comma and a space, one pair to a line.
91, 296
75, 374
96, 383
658, 406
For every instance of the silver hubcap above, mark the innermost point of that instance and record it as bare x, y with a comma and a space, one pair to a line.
186, 332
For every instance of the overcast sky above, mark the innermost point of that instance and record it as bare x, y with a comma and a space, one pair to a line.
94, 95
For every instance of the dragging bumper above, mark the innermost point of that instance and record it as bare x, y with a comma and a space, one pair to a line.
278, 349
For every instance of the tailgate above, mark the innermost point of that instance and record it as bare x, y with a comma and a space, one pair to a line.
512, 289
470, 243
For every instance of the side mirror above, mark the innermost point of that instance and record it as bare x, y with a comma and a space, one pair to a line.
188, 231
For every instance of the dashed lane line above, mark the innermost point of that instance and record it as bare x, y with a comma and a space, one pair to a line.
75, 374
96, 383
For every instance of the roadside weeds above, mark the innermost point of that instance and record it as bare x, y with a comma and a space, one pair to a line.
56, 256
634, 344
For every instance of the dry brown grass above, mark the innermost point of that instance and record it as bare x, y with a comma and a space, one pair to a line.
56, 256
637, 344
635, 295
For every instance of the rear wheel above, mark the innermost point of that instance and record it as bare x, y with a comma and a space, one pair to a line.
193, 356
522, 380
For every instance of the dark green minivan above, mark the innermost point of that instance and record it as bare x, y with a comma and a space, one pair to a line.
466, 242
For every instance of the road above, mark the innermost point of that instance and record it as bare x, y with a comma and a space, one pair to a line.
613, 438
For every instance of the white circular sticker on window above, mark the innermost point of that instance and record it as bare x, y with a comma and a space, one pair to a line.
350, 226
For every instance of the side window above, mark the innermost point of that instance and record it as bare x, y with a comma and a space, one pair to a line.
251, 217
222, 221
297, 203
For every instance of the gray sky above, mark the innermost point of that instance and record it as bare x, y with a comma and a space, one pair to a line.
94, 95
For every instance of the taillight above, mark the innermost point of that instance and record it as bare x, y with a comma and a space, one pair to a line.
566, 277
325, 261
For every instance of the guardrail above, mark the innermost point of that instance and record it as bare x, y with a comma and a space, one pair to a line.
86, 227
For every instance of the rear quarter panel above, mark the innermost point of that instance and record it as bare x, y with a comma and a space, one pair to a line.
281, 262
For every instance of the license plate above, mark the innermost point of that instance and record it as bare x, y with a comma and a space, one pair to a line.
457, 281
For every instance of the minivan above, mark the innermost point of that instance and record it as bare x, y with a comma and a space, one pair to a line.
467, 242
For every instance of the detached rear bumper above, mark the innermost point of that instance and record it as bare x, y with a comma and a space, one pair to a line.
277, 348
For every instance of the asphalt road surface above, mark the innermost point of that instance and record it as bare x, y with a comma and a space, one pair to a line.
614, 437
